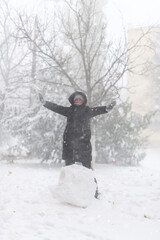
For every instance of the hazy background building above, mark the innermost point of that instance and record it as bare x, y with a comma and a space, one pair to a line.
144, 82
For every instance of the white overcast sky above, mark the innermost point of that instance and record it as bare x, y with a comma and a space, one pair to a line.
133, 13
130, 12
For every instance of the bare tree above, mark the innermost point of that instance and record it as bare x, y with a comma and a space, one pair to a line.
12, 57
77, 47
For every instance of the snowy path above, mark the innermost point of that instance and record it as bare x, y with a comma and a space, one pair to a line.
129, 208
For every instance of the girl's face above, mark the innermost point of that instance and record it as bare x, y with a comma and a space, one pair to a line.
78, 101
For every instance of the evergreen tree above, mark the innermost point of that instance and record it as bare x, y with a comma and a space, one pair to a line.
120, 136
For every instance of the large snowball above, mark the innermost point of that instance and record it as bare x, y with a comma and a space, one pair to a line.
76, 186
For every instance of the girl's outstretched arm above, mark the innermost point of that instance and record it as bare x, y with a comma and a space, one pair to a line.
54, 107
95, 111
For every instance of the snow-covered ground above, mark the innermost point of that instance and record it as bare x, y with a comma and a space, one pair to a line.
129, 208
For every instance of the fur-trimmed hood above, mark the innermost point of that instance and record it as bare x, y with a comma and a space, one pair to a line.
71, 98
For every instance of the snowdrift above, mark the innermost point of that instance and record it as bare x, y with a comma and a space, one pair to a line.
76, 186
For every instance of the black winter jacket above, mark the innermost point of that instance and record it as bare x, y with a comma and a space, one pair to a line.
77, 134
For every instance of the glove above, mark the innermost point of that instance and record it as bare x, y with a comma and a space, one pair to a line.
110, 106
41, 98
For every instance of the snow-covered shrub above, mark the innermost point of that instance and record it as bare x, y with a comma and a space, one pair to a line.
119, 135
10, 147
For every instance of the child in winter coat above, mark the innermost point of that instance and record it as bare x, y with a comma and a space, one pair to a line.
77, 134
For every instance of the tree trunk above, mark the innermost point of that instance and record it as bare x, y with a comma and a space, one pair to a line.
33, 71
93, 142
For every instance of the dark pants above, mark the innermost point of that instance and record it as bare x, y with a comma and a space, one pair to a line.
85, 164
